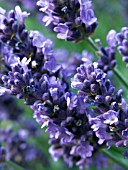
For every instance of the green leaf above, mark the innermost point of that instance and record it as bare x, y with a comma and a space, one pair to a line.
14, 165
116, 158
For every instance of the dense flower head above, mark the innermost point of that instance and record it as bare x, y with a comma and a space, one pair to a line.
18, 42
65, 116
12, 34
72, 20
109, 118
9, 23
26, 49
93, 82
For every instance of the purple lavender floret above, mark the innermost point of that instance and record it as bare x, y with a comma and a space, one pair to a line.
122, 40
71, 100
111, 117
72, 20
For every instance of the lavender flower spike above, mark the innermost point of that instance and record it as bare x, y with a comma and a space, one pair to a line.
72, 20
107, 60
109, 115
122, 40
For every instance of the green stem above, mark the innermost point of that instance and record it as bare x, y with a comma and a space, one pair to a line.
14, 165
115, 159
91, 42
117, 73
120, 76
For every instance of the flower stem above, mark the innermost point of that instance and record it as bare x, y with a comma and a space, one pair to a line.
117, 73
14, 165
120, 76
115, 159
92, 43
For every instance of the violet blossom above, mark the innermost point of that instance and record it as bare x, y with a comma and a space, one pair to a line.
72, 20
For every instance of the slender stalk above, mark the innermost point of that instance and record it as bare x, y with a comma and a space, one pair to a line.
92, 43
120, 76
116, 159
14, 165
117, 73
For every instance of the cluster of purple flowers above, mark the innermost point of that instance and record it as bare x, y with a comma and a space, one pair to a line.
108, 119
79, 124
72, 20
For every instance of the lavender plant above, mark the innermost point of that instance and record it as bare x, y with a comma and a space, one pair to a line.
83, 124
